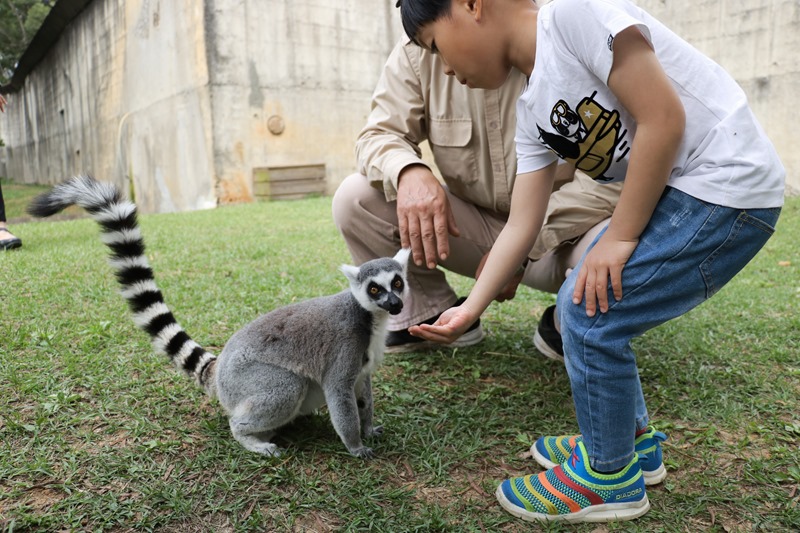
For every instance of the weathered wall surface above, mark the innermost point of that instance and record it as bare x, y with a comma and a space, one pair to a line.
310, 65
164, 141
124, 96
46, 126
757, 42
173, 99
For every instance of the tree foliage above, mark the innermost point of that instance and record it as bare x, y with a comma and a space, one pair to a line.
19, 22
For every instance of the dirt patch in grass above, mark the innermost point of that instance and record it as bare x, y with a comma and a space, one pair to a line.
36, 498
117, 440
317, 522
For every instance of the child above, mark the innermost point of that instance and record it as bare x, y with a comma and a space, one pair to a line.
616, 94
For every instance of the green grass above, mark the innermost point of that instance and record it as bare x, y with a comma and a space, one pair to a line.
17, 196
98, 433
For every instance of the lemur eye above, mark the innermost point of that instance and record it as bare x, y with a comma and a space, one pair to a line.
374, 289
398, 283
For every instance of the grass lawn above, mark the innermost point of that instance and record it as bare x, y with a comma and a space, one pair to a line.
98, 433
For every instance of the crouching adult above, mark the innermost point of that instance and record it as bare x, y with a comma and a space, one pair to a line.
451, 223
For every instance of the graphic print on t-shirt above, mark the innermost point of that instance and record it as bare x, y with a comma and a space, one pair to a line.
590, 137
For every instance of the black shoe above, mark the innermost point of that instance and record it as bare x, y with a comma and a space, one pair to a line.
547, 339
9, 244
402, 341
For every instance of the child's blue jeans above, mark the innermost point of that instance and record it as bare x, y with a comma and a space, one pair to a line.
687, 252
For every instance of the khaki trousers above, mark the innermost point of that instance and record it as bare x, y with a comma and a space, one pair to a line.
369, 226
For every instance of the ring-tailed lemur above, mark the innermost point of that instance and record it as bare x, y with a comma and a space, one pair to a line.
285, 363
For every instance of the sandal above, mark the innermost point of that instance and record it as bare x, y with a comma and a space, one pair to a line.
9, 244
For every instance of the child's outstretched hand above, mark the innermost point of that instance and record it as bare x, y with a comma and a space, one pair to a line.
450, 326
606, 260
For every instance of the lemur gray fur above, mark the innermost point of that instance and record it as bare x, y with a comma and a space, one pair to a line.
286, 363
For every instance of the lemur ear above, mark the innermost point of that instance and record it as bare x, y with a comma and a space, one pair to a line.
402, 257
351, 272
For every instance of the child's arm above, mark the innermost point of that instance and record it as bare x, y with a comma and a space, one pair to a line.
641, 85
528, 206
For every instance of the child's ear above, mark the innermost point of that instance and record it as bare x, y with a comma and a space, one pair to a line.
473, 7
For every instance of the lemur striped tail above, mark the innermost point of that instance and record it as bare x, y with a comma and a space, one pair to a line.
117, 218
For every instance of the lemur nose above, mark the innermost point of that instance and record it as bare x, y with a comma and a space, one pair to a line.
394, 304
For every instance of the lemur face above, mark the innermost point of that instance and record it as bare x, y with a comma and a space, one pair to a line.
380, 284
387, 296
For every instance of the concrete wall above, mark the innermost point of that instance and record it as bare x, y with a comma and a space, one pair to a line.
46, 127
164, 141
310, 65
173, 99
124, 96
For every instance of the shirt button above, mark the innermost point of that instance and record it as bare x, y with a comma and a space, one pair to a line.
493, 124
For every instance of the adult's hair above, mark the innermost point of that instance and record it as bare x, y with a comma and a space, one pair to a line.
417, 13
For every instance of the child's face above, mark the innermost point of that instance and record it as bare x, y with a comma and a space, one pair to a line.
471, 50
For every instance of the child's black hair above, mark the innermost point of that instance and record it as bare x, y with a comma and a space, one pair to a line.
417, 13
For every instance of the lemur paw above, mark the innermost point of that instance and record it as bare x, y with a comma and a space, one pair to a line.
376, 431
363, 453
267, 448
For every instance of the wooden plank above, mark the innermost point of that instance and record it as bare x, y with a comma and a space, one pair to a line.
272, 190
288, 182
297, 173
289, 173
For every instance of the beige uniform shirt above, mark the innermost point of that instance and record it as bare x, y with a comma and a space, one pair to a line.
471, 135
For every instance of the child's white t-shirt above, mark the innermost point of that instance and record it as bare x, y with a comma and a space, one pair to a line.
567, 109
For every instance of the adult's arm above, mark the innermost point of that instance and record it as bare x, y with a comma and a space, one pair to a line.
389, 155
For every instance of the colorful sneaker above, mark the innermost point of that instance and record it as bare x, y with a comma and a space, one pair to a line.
573, 492
547, 339
402, 341
551, 451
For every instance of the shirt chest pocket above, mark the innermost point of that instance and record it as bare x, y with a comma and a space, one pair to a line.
453, 150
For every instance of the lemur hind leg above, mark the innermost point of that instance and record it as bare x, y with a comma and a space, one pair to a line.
364, 402
255, 418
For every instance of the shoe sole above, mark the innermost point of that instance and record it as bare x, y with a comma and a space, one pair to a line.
656, 476
608, 512
545, 348
469, 338
650, 477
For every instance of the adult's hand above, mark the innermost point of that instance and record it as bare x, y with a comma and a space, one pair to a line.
510, 289
424, 216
